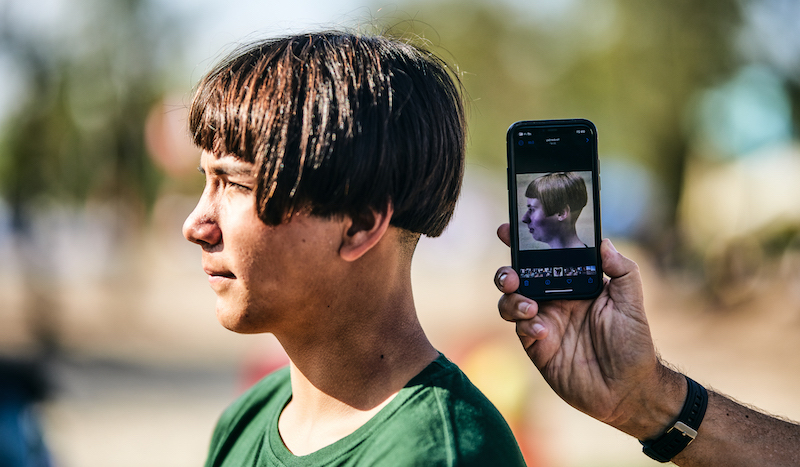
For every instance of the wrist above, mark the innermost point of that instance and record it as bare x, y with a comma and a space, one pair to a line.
655, 406
684, 430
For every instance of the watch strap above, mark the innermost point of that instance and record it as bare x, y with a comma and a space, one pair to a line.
684, 430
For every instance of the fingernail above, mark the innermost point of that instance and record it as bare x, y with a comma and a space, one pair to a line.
523, 307
501, 279
537, 329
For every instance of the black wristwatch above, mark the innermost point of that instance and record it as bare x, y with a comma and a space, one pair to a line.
684, 430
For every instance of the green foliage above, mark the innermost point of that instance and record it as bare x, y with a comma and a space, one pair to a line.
79, 131
632, 67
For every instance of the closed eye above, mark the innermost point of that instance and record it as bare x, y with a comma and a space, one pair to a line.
238, 186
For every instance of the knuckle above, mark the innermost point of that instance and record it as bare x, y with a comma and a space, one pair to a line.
504, 307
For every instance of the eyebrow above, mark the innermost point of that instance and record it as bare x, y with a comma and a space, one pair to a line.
228, 167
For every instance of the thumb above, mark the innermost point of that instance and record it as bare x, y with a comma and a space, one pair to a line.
614, 264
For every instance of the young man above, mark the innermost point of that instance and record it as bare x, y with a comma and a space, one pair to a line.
326, 156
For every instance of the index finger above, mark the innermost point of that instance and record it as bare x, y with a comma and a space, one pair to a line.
515, 307
504, 233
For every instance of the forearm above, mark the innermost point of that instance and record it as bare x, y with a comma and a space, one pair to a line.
734, 435
730, 434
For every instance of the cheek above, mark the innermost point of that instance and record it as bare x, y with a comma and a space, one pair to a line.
257, 262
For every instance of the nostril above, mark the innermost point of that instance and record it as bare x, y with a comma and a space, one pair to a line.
204, 233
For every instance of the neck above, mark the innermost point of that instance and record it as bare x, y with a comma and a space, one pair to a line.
356, 366
566, 239
349, 367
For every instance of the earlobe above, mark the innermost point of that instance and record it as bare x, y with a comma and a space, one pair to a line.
363, 232
564, 214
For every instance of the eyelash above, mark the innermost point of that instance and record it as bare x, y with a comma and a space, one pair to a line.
239, 187
236, 186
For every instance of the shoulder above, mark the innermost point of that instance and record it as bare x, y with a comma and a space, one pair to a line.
242, 423
449, 390
266, 391
444, 419
454, 401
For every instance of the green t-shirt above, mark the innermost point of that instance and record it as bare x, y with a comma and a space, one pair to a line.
438, 419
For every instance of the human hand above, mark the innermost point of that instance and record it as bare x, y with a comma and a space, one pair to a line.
597, 355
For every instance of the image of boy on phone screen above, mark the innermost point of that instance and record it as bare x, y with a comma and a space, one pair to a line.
554, 203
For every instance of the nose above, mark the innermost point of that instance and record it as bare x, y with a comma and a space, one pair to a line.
201, 226
527, 217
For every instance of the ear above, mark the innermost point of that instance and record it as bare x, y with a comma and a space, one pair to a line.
564, 214
363, 232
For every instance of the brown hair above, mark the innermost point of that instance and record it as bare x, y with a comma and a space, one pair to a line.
558, 190
339, 123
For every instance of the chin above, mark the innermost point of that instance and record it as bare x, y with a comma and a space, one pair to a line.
238, 321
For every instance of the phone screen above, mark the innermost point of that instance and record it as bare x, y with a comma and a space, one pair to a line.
554, 198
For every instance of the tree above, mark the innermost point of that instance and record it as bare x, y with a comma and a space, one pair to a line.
632, 67
78, 133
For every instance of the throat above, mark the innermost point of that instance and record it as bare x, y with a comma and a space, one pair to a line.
331, 402
305, 431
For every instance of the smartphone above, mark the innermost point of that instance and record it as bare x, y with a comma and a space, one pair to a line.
554, 207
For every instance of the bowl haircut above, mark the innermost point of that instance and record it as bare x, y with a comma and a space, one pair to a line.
339, 124
558, 190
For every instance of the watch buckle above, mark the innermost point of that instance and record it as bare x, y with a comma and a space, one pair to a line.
685, 430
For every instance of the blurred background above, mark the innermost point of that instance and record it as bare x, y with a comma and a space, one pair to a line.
110, 354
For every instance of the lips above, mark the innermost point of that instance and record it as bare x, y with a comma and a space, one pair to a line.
227, 274
218, 274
